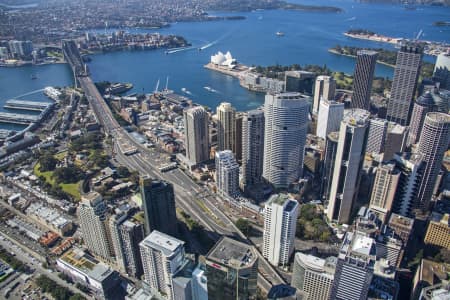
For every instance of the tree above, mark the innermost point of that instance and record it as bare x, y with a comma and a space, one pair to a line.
244, 226
123, 172
47, 162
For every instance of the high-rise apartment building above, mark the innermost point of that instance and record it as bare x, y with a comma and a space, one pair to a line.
280, 220
433, 143
158, 201
252, 147
376, 136
355, 267
227, 174
330, 117
226, 127
162, 257
384, 190
286, 125
93, 218
423, 105
348, 164
404, 83
126, 236
325, 88
232, 270
366, 61
196, 132
313, 276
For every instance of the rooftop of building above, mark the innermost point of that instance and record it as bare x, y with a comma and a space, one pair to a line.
433, 272
162, 242
283, 200
85, 263
316, 263
395, 128
230, 252
426, 99
440, 218
358, 245
398, 220
439, 117
356, 116
367, 52
415, 158
383, 269
91, 197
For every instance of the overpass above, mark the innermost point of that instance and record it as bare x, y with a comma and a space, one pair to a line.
143, 162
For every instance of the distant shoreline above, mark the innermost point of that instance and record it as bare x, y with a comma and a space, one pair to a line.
354, 56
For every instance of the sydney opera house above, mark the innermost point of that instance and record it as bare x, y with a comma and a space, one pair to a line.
224, 60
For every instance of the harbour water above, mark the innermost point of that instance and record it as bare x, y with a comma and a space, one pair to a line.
307, 37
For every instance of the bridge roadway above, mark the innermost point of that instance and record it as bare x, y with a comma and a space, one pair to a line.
185, 188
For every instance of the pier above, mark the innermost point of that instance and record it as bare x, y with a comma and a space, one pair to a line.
18, 118
26, 105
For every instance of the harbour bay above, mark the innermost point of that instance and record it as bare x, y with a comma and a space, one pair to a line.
252, 41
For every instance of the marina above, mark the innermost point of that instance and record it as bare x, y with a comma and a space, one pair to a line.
26, 105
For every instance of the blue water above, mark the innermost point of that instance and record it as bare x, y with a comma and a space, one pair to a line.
251, 41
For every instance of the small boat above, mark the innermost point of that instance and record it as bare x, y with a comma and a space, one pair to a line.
279, 33
34, 76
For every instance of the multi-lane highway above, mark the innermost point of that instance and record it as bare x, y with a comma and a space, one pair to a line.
186, 190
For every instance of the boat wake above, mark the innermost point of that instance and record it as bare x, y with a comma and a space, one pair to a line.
184, 90
351, 19
175, 50
29, 93
210, 89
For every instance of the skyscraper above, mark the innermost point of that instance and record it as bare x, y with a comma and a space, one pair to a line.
162, 256
433, 143
196, 134
366, 61
325, 89
226, 122
423, 105
92, 215
227, 174
232, 270
442, 70
252, 147
396, 138
376, 136
410, 166
331, 146
330, 117
280, 220
158, 202
126, 236
238, 136
348, 164
384, 190
406, 74
286, 125
354, 270
312, 276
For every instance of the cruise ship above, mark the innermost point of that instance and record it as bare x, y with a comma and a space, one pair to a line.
52, 93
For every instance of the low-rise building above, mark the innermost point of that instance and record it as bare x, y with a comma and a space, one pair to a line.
50, 218
103, 281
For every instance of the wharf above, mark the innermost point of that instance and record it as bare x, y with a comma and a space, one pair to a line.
18, 118
26, 105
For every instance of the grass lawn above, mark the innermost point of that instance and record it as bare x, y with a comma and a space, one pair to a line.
72, 189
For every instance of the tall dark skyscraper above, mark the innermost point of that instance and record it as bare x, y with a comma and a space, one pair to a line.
362, 84
433, 143
158, 201
252, 147
406, 74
